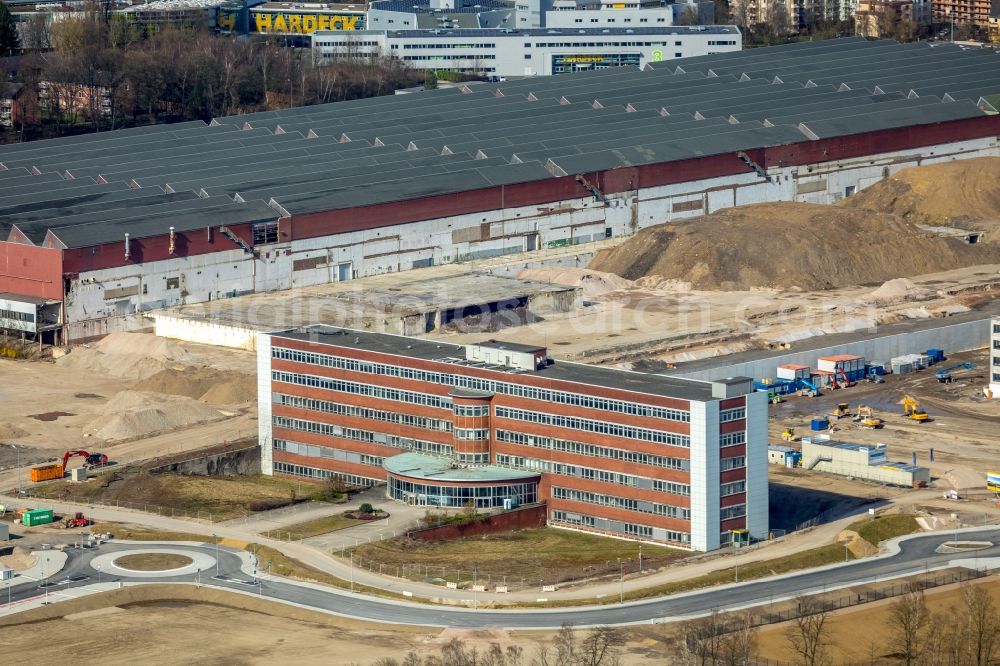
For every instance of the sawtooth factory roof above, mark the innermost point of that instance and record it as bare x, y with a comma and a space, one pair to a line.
85, 190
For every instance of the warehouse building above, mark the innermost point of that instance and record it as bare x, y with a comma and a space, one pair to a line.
115, 224
496, 424
544, 52
858, 461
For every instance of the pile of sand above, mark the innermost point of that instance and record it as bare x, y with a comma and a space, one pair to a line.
897, 291
593, 284
938, 194
788, 245
19, 559
207, 384
126, 355
134, 414
11, 431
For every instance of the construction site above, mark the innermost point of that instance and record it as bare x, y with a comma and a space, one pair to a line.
866, 318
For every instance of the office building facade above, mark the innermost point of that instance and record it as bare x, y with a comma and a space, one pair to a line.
626, 454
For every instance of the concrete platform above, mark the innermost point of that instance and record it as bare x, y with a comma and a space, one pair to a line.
399, 303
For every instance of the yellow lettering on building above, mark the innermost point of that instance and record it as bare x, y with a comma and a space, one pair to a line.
303, 24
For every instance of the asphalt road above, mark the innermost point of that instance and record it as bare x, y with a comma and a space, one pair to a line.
914, 556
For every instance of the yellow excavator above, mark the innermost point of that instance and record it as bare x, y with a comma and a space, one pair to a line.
842, 410
865, 418
788, 435
912, 411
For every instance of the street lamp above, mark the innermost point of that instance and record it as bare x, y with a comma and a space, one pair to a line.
216, 539
640, 558
621, 581
18, 449
352, 571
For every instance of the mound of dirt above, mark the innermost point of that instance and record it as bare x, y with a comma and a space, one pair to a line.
238, 390
126, 355
939, 194
19, 559
897, 291
594, 284
788, 245
11, 431
207, 384
134, 414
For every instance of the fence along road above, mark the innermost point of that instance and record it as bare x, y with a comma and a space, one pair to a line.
915, 554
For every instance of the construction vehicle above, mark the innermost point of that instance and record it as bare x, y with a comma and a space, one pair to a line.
842, 410
90, 459
865, 418
788, 435
944, 375
774, 398
912, 411
78, 520
808, 388
844, 381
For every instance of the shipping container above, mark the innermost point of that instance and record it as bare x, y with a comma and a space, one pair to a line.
47, 472
793, 371
937, 355
848, 363
819, 424
36, 517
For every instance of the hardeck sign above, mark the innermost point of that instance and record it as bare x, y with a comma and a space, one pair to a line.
293, 23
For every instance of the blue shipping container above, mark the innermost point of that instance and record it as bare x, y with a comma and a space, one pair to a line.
937, 355
819, 424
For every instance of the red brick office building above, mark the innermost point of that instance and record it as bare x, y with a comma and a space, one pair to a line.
622, 453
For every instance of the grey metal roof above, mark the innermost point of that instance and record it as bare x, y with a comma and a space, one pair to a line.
398, 148
592, 375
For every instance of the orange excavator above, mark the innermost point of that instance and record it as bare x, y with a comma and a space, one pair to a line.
91, 459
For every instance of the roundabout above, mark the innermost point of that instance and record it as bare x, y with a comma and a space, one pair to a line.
153, 562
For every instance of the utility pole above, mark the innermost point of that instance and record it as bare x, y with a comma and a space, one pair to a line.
216, 555
640, 558
352, 571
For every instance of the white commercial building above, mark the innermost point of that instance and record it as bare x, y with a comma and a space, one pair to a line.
530, 52
994, 387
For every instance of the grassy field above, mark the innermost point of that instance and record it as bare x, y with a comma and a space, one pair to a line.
325, 525
878, 529
541, 554
153, 561
213, 498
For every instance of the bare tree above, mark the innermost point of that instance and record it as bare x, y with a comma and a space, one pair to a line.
983, 625
739, 645
703, 638
908, 617
601, 647
807, 636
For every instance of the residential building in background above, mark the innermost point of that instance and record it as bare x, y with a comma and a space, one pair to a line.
877, 19
529, 52
994, 387
14, 107
978, 13
494, 425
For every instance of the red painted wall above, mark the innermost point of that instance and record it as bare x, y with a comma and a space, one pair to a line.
31, 271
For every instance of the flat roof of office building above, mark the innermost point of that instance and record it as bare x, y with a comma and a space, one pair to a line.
396, 345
